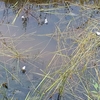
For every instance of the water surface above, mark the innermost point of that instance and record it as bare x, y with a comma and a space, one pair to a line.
32, 43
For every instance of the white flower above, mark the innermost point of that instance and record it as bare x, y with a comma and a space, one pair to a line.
46, 21
24, 67
23, 17
98, 33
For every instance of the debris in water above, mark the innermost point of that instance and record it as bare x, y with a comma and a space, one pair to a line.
46, 21
23, 69
23, 17
5, 85
97, 33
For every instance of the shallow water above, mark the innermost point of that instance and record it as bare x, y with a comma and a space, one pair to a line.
36, 41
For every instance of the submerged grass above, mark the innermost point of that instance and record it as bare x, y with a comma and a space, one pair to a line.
69, 74
72, 72
79, 68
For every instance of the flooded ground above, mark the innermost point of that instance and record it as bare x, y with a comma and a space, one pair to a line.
43, 36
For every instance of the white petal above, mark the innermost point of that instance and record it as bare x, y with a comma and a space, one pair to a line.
46, 21
22, 17
98, 33
23, 68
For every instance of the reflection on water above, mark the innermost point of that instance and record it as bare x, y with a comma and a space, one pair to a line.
30, 35
35, 14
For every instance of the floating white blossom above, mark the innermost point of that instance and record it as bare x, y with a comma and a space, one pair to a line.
98, 33
46, 21
23, 17
23, 69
